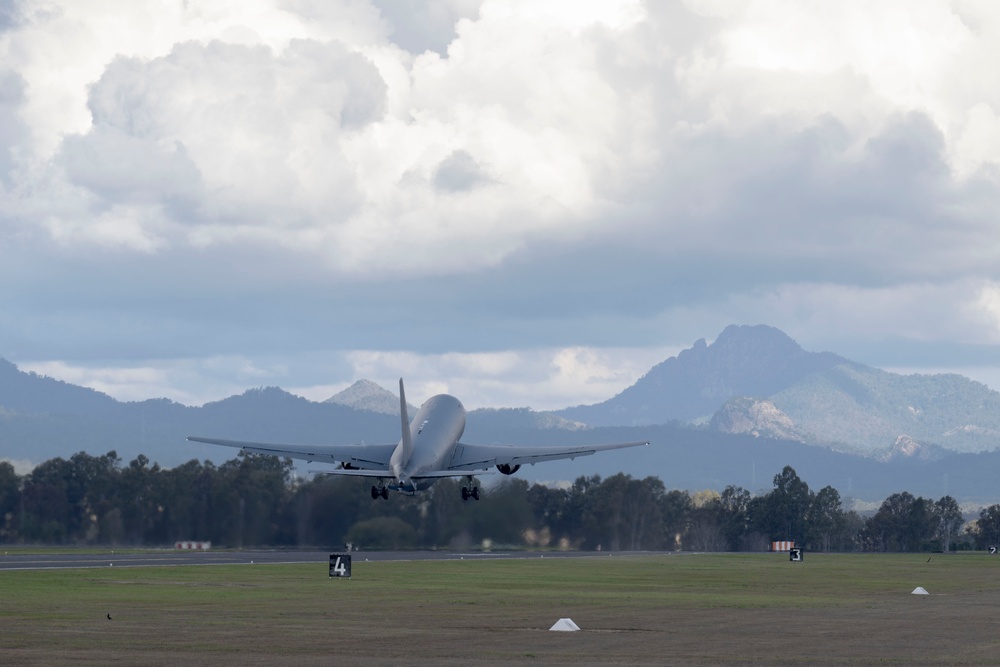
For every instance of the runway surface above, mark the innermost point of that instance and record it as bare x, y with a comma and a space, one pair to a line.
12, 559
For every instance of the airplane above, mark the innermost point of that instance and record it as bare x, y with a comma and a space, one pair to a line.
430, 449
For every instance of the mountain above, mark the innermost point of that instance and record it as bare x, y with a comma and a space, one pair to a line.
366, 395
867, 410
733, 412
753, 361
31, 393
42, 418
755, 379
756, 416
522, 418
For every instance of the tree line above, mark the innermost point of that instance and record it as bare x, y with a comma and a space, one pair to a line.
255, 500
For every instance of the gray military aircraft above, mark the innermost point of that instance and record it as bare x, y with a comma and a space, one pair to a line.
429, 450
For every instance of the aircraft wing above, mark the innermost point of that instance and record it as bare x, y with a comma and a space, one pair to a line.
433, 474
480, 457
358, 456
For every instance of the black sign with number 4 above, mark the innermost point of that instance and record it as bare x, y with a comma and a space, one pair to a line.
340, 565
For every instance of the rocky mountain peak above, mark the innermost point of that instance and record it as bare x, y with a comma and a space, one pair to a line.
368, 396
906, 447
758, 417
745, 360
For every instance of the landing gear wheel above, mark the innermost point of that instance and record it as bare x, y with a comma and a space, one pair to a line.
385, 493
465, 493
475, 492
375, 493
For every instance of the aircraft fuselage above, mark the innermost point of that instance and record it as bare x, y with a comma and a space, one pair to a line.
434, 432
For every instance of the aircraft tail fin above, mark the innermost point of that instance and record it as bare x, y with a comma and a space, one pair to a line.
405, 423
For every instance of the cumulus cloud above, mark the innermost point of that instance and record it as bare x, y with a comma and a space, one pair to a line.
317, 140
427, 25
458, 172
11, 127
543, 379
545, 175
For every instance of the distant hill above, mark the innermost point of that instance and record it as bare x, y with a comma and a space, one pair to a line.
753, 361
366, 395
42, 418
30, 393
733, 412
523, 418
755, 379
867, 410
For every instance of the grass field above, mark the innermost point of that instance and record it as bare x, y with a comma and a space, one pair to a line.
669, 609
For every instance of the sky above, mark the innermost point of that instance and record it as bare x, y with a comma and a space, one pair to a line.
521, 202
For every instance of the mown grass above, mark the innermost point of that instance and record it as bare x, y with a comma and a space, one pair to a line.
685, 609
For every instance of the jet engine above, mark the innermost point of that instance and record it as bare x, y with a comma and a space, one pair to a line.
507, 468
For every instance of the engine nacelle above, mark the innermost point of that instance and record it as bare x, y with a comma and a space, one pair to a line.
507, 468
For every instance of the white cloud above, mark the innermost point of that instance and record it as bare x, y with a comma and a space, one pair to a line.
987, 307
823, 167
301, 126
826, 316
543, 379
283, 139
425, 25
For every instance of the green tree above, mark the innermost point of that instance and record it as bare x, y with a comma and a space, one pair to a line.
988, 528
676, 509
782, 513
622, 513
825, 519
10, 499
734, 515
184, 493
902, 523
552, 521
326, 507
705, 529
446, 518
383, 532
48, 514
138, 499
503, 514
254, 491
949, 521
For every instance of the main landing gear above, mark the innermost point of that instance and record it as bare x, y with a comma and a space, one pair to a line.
380, 491
470, 491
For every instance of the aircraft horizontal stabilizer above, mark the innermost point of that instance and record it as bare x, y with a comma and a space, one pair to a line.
386, 474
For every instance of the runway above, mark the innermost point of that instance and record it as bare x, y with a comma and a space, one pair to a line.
12, 559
